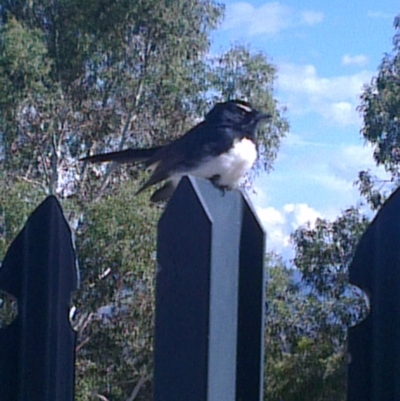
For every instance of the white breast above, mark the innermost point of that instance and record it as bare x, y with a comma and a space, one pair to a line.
230, 166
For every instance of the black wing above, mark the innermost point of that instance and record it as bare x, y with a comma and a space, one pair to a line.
184, 154
124, 156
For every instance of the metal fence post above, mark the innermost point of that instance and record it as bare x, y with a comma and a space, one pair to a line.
374, 344
209, 297
250, 371
37, 349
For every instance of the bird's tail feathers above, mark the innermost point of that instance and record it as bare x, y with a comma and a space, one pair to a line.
124, 156
162, 193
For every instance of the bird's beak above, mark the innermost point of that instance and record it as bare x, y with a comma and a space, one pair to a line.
263, 116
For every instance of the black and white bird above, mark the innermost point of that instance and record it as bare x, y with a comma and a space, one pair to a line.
221, 148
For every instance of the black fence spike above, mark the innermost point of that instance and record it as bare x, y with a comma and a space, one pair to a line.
37, 348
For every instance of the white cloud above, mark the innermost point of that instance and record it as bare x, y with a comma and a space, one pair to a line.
279, 224
311, 17
300, 214
274, 223
315, 180
359, 60
379, 15
334, 98
269, 19
343, 113
330, 181
351, 159
331, 168
270, 215
305, 79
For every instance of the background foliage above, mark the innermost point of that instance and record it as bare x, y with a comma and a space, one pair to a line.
80, 77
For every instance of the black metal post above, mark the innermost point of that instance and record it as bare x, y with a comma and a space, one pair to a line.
209, 309
374, 345
37, 349
250, 372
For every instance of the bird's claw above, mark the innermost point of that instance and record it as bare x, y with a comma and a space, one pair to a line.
214, 180
223, 189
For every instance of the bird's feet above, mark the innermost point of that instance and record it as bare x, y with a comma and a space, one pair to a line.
223, 188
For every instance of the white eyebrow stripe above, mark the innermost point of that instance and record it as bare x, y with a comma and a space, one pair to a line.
244, 107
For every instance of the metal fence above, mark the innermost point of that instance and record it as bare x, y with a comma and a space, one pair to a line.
37, 350
209, 298
209, 304
374, 344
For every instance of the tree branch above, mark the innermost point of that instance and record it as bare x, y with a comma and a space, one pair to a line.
138, 387
53, 180
101, 397
128, 122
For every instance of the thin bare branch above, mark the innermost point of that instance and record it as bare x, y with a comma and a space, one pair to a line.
101, 397
130, 118
138, 387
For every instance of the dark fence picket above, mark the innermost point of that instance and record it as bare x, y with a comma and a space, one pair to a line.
209, 297
250, 372
37, 348
209, 302
374, 344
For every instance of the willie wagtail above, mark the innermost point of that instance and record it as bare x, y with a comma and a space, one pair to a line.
222, 148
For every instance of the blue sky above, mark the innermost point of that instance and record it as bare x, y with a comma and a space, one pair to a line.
324, 52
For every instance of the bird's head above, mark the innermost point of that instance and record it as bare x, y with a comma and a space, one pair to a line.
238, 115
